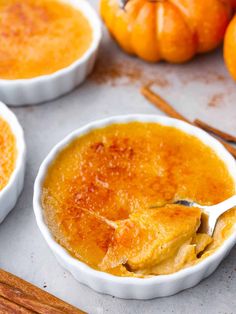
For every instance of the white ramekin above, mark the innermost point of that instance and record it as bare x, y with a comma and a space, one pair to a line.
9, 194
125, 287
47, 87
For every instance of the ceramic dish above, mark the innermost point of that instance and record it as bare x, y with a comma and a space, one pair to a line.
47, 87
126, 287
10, 193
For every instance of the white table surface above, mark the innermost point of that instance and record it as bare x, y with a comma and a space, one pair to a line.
190, 88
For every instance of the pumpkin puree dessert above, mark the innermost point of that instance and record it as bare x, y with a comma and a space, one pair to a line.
39, 37
107, 199
7, 153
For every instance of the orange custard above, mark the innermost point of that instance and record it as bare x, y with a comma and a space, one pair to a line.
101, 193
39, 37
7, 153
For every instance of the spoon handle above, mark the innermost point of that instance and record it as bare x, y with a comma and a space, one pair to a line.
219, 209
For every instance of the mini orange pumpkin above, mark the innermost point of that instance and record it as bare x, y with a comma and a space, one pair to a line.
230, 47
171, 30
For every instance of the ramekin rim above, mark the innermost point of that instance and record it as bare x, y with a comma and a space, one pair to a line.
96, 26
81, 266
7, 115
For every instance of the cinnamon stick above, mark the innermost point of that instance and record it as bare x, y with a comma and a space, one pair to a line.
162, 105
229, 148
225, 136
9, 307
30, 297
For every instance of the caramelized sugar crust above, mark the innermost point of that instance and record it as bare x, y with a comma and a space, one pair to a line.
7, 153
39, 37
99, 197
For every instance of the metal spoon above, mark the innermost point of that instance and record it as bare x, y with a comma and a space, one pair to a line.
210, 214
122, 3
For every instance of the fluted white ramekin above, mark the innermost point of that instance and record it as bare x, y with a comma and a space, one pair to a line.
126, 287
47, 87
10, 193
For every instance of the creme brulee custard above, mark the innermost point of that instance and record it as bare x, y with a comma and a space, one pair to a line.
7, 153
106, 195
39, 37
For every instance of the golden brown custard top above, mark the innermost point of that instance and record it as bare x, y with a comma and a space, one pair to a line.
7, 153
39, 37
99, 194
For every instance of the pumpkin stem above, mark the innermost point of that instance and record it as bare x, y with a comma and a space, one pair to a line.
122, 3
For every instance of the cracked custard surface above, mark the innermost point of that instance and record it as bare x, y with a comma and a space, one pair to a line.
40, 37
7, 153
100, 193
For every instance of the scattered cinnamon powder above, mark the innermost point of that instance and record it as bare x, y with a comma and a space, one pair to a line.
125, 73
209, 77
116, 68
216, 100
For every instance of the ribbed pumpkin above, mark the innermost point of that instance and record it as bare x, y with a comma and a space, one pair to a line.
171, 30
230, 47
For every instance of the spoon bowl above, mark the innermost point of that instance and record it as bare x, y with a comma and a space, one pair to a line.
210, 214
